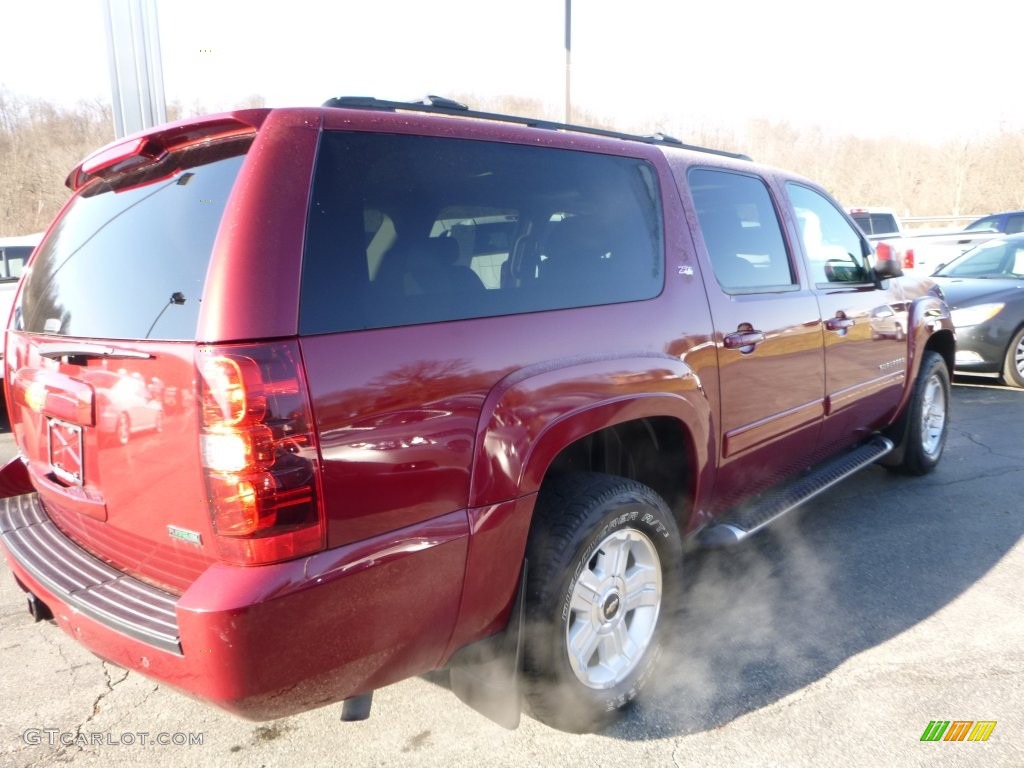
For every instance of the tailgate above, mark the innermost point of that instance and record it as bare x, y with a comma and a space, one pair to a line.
101, 351
110, 435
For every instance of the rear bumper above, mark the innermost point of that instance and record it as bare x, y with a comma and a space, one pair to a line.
83, 583
262, 642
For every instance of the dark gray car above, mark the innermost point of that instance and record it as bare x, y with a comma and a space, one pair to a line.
984, 288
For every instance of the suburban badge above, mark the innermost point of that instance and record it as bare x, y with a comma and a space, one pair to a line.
190, 537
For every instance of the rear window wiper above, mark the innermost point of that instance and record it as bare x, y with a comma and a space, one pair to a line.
70, 350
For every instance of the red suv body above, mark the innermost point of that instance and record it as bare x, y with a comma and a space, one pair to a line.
297, 391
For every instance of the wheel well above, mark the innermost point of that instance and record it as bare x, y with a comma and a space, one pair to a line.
944, 344
654, 451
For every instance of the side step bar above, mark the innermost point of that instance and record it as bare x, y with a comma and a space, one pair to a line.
773, 504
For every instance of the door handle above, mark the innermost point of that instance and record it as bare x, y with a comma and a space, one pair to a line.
838, 323
743, 340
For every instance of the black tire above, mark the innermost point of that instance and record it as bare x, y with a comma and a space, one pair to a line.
925, 424
1013, 366
603, 532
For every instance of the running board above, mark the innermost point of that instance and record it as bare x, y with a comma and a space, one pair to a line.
773, 504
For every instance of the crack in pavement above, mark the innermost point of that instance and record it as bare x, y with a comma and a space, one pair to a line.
971, 438
982, 476
110, 684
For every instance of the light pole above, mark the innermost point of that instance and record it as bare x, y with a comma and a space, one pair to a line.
568, 60
136, 67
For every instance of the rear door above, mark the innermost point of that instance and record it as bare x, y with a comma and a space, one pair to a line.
768, 333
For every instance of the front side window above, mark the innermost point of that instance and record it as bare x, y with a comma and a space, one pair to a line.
414, 229
741, 231
834, 249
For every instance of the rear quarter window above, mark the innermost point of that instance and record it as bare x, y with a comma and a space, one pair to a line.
411, 229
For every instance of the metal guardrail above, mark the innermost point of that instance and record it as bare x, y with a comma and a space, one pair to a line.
933, 219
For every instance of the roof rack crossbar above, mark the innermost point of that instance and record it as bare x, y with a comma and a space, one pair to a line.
443, 106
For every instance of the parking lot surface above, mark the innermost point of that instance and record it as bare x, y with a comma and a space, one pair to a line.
831, 639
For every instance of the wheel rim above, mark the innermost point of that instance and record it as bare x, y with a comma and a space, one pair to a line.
1018, 358
613, 609
933, 416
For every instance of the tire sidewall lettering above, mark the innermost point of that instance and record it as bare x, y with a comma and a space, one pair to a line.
657, 527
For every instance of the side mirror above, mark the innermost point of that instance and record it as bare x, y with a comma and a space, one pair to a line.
887, 262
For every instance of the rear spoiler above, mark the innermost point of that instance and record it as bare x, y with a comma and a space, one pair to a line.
141, 149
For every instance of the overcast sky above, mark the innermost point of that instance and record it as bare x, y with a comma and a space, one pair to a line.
874, 67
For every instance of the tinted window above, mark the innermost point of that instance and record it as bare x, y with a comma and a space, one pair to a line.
1015, 223
741, 231
129, 262
834, 248
413, 229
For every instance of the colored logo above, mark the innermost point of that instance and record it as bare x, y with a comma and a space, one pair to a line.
958, 730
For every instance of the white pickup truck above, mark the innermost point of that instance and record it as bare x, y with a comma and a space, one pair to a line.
919, 253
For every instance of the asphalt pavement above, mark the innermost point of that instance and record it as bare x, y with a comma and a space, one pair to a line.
833, 638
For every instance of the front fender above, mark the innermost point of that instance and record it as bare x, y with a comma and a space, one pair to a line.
929, 320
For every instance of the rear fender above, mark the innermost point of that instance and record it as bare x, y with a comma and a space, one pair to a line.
534, 413
528, 419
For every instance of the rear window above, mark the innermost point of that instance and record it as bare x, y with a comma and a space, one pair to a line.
129, 261
876, 223
13, 261
412, 229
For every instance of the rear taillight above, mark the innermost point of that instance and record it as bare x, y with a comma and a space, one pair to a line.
887, 252
259, 453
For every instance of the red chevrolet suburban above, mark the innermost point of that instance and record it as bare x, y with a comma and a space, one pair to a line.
311, 400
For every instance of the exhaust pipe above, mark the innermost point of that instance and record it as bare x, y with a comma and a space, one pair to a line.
39, 610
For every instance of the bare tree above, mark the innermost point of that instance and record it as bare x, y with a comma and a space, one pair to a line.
41, 142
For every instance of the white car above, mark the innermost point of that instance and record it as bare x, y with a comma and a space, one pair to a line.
14, 253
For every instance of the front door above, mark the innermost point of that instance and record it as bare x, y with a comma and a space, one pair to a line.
865, 325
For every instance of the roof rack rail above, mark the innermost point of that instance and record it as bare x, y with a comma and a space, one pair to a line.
440, 105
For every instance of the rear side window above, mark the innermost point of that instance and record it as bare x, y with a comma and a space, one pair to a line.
129, 261
412, 229
741, 231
